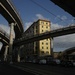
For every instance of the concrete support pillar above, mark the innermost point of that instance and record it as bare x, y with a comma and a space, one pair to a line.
6, 53
18, 58
52, 46
11, 42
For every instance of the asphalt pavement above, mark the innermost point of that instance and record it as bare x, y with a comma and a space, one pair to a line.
34, 69
6, 69
40, 69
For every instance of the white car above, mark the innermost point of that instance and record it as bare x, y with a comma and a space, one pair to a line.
57, 61
42, 61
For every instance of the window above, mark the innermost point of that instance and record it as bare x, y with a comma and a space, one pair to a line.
42, 30
36, 30
46, 47
36, 27
46, 43
46, 22
42, 22
42, 47
42, 43
47, 52
42, 52
36, 47
46, 26
42, 26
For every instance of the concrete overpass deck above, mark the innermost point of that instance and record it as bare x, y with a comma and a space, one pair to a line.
11, 15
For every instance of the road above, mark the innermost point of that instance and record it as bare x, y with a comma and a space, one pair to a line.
46, 69
6, 69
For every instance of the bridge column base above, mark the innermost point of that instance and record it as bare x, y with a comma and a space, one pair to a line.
6, 54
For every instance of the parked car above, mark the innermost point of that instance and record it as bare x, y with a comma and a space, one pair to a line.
36, 61
53, 62
66, 63
57, 61
73, 62
42, 61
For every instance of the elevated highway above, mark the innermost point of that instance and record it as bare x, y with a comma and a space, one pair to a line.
8, 11
4, 37
50, 34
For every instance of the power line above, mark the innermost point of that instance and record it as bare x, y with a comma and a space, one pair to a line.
45, 9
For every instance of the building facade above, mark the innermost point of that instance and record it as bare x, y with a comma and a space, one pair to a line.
38, 48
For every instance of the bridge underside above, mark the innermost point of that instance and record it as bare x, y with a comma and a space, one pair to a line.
67, 5
5, 42
7, 12
4, 39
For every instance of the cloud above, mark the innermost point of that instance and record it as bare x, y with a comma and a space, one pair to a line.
40, 16
61, 17
27, 24
55, 26
64, 18
5, 28
37, 16
64, 42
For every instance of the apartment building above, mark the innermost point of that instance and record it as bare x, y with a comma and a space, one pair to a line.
38, 48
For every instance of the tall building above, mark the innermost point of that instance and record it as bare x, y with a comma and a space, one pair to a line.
38, 48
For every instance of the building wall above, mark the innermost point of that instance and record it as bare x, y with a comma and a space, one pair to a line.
44, 45
38, 48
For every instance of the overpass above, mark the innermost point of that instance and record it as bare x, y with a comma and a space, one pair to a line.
4, 38
50, 34
8, 11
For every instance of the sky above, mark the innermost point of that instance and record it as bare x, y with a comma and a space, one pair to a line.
32, 10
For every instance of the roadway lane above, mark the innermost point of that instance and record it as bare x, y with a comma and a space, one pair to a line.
6, 69
46, 69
